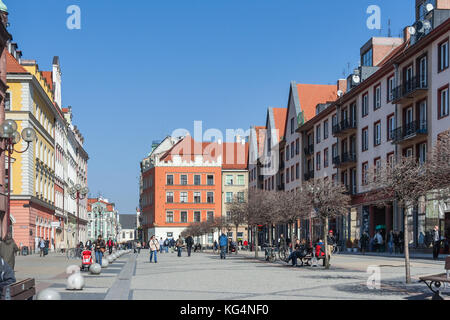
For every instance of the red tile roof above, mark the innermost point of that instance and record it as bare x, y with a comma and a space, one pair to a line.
12, 65
279, 116
310, 95
48, 76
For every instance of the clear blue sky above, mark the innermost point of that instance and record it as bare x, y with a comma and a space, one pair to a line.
139, 69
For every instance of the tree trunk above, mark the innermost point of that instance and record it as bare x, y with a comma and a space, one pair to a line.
325, 241
290, 233
270, 234
406, 246
256, 236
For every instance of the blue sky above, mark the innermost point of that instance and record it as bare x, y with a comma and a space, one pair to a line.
137, 70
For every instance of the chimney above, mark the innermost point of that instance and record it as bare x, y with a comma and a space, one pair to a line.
342, 85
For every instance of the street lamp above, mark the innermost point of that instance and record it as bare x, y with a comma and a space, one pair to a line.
10, 137
99, 210
78, 193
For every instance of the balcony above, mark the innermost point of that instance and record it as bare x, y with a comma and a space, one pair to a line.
409, 132
309, 175
344, 127
309, 150
411, 89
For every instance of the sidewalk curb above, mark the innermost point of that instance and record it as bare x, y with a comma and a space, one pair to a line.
120, 290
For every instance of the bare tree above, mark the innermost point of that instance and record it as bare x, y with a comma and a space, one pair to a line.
329, 199
404, 181
237, 209
438, 168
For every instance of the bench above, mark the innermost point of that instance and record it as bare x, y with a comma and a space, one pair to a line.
23, 290
308, 259
435, 281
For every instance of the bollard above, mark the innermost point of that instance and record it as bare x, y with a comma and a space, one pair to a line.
48, 294
72, 269
95, 268
105, 263
75, 282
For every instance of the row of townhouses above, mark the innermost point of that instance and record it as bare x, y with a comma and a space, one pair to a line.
396, 103
41, 177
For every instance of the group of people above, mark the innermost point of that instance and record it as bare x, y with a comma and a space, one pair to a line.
161, 246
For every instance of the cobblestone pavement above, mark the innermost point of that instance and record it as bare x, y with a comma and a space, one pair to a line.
204, 276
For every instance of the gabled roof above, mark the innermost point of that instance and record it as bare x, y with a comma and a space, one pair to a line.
48, 76
260, 136
276, 117
12, 65
310, 95
128, 221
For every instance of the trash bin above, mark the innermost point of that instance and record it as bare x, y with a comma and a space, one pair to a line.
25, 251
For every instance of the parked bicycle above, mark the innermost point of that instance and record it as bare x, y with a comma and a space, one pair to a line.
270, 254
283, 253
73, 253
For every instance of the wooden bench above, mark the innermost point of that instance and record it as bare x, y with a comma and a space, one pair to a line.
23, 290
434, 282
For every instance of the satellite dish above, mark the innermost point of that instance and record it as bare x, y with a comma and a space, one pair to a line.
429, 7
340, 93
356, 78
412, 30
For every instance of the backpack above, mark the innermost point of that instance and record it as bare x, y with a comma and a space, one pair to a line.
166, 243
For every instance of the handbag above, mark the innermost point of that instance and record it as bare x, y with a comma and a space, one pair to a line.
102, 250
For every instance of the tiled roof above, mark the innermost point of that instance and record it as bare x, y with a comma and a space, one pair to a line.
279, 116
260, 136
12, 65
310, 95
48, 76
128, 221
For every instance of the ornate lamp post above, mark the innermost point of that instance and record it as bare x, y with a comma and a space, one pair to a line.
78, 193
10, 137
99, 211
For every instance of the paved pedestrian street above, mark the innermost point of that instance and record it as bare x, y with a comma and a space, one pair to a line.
204, 276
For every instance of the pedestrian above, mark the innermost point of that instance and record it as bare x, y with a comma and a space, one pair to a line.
189, 244
41, 247
282, 242
161, 245
100, 248
47, 246
391, 242
110, 245
6, 275
166, 245
223, 242
401, 239
436, 242
89, 244
154, 248
172, 245
138, 246
331, 242
364, 240
298, 253
216, 246
8, 249
179, 245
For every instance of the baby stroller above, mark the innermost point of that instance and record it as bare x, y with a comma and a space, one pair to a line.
86, 260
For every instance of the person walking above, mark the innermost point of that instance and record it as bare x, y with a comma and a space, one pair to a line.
41, 247
89, 244
216, 246
189, 244
166, 245
282, 242
161, 245
331, 241
179, 245
110, 246
154, 248
172, 245
391, 242
364, 240
138, 246
100, 248
436, 242
223, 242
8, 249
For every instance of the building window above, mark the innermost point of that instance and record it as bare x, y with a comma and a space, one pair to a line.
183, 217
169, 217
229, 197
422, 153
7, 101
377, 97
287, 153
423, 72
297, 171
210, 197
297, 146
325, 158
292, 150
318, 161
197, 216
443, 56
229, 180
183, 179
390, 126
197, 180
169, 197
210, 180
292, 173
365, 105
377, 133
365, 139
365, 167
210, 216
443, 102
241, 179
318, 134
391, 84
183, 197
390, 159
197, 197
240, 197
292, 126
367, 58
325, 130
287, 175
169, 180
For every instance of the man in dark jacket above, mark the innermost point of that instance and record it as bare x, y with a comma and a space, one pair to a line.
189, 244
223, 243
436, 242
8, 249
6, 275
